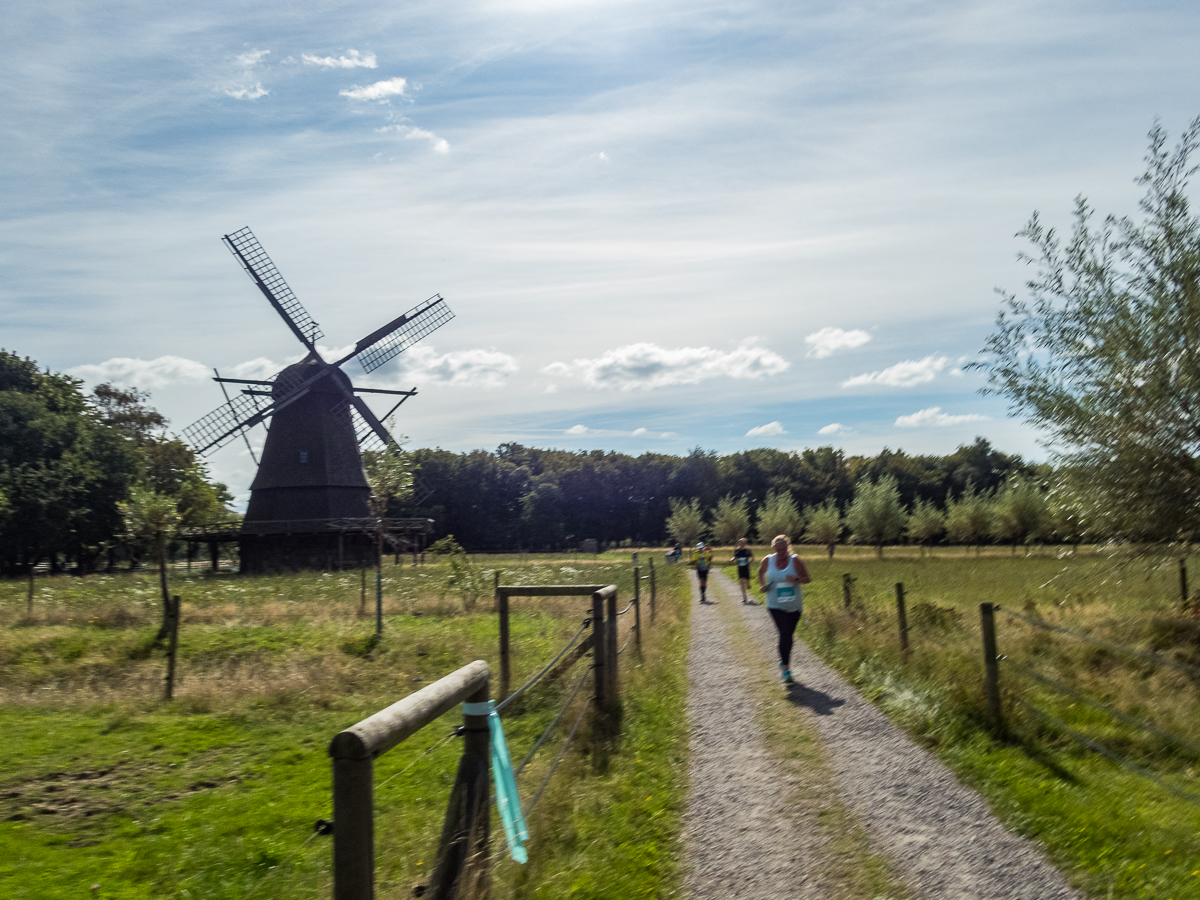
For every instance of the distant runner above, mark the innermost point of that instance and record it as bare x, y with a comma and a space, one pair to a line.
742, 556
704, 558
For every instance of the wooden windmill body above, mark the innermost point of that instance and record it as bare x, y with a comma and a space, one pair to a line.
309, 499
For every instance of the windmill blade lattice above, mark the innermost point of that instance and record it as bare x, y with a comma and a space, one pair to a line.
415, 324
225, 422
258, 265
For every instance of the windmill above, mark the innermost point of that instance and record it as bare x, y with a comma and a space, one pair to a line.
309, 496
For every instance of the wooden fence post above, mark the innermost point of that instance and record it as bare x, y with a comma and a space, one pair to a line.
362, 600
172, 648
902, 616
1183, 583
29, 605
991, 667
599, 664
847, 581
505, 661
652, 590
353, 828
610, 646
462, 867
637, 608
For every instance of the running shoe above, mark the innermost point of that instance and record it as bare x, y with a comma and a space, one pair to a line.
787, 677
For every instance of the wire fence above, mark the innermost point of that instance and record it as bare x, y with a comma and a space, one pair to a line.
1026, 672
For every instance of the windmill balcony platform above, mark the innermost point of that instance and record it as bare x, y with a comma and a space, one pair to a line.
297, 544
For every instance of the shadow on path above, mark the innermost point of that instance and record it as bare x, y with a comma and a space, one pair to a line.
818, 701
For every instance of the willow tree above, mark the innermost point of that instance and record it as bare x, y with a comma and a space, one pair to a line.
1103, 353
731, 519
876, 515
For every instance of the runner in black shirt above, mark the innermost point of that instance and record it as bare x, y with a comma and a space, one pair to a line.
743, 556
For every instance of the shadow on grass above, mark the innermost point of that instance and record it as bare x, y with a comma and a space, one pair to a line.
1038, 754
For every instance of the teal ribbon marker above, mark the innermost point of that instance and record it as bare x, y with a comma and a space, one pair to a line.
508, 802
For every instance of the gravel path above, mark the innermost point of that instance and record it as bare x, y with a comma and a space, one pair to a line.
741, 839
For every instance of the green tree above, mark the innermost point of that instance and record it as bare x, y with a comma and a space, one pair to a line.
823, 525
686, 521
969, 518
876, 515
150, 518
1019, 512
926, 524
779, 515
731, 519
1104, 354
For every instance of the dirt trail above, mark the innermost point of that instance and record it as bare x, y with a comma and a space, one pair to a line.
745, 836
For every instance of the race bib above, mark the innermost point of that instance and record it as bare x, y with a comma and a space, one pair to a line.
785, 591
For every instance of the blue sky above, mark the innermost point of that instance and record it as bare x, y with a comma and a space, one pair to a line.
660, 225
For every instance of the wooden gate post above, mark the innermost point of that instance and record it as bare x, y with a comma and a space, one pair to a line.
991, 666
599, 665
610, 646
652, 590
505, 662
846, 582
902, 617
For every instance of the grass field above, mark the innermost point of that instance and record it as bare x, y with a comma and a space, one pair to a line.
1115, 830
110, 792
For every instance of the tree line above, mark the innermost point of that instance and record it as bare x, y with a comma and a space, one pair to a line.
87, 477
521, 497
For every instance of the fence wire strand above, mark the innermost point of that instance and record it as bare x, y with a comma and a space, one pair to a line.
1120, 648
1133, 721
428, 751
549, 728
562, 751
1111, 754
627, 640
627, 608
532, 681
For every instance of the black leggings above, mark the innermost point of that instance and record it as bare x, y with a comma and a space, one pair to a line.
785, 624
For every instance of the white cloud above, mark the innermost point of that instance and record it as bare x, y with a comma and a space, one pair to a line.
904, 374
251, 58
352, 60
768, 429
834, 428
646, 366
259, 368
460, 368
380, 90
828, 341
577, 429
142, 373
411, 132
638, 432
934, 417
250, 93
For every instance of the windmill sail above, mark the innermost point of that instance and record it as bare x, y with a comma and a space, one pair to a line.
401, 333
249, 252
226, 421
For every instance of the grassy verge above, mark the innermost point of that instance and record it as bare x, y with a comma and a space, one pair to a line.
109, 791
1112, 832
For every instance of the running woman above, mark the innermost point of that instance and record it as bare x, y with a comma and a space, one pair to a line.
780, 576
742, 556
